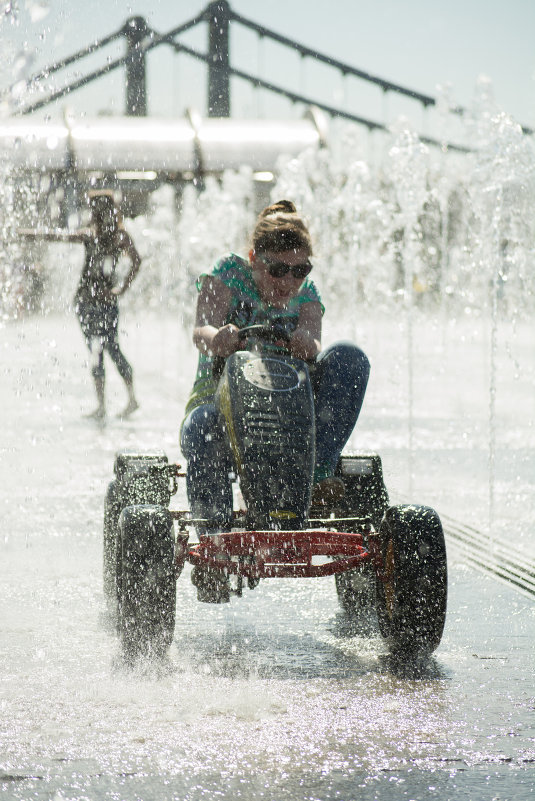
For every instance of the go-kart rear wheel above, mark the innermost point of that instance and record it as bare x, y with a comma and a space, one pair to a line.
146, 581
411, 600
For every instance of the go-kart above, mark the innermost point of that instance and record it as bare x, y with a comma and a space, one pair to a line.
386, 560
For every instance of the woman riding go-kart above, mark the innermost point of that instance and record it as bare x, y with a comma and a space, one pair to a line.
271, 409
272, 283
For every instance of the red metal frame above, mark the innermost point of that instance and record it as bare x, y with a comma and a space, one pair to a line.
281, 554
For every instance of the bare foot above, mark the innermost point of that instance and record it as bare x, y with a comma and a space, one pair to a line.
98, 414
129, 409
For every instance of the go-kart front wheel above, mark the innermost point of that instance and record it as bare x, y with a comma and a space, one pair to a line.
146, 581
412, 592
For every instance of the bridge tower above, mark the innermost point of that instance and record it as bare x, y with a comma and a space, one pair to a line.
135, 31
219, 16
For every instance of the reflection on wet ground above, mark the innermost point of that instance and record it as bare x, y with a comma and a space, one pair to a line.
273, 696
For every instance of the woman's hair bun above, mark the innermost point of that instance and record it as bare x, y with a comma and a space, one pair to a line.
280, 207
279, 228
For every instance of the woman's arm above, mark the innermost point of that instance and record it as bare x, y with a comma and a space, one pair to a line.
305, 342
126, 245
210, 332
54, 235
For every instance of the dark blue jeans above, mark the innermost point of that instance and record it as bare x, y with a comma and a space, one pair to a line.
339, 379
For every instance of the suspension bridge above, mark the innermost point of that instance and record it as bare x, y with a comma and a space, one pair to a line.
136, 152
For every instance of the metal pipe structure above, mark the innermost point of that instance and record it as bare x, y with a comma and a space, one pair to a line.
146, 144
136, 155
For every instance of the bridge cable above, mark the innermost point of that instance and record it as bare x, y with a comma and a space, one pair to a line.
155, 41
347, 69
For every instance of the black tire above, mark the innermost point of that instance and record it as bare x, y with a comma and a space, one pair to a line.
411, 601
146, 581
134, 484
111, 544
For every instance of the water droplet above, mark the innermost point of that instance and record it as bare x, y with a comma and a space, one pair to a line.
38, 9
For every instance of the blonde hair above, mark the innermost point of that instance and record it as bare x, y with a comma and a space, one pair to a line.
279, 228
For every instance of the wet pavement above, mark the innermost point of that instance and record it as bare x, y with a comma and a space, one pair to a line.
273, 696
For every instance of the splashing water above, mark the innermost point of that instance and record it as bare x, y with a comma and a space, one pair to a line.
407, 163
407, 249
503, 197
416, 235
38, 9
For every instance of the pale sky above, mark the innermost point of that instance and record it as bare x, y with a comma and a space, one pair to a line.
417, 43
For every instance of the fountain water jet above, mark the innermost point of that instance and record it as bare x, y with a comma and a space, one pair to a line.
418, 236
503, 197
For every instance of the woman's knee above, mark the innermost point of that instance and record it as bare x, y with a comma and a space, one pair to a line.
347, 359
201, 431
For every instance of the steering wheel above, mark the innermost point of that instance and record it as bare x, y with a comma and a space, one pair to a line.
268, 332
272, 332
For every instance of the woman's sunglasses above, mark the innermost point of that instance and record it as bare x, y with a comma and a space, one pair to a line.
278, 269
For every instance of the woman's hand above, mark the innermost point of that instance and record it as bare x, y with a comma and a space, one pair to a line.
226, 341
303, 345
305, 342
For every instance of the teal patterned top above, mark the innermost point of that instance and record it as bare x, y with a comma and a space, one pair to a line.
246, 308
